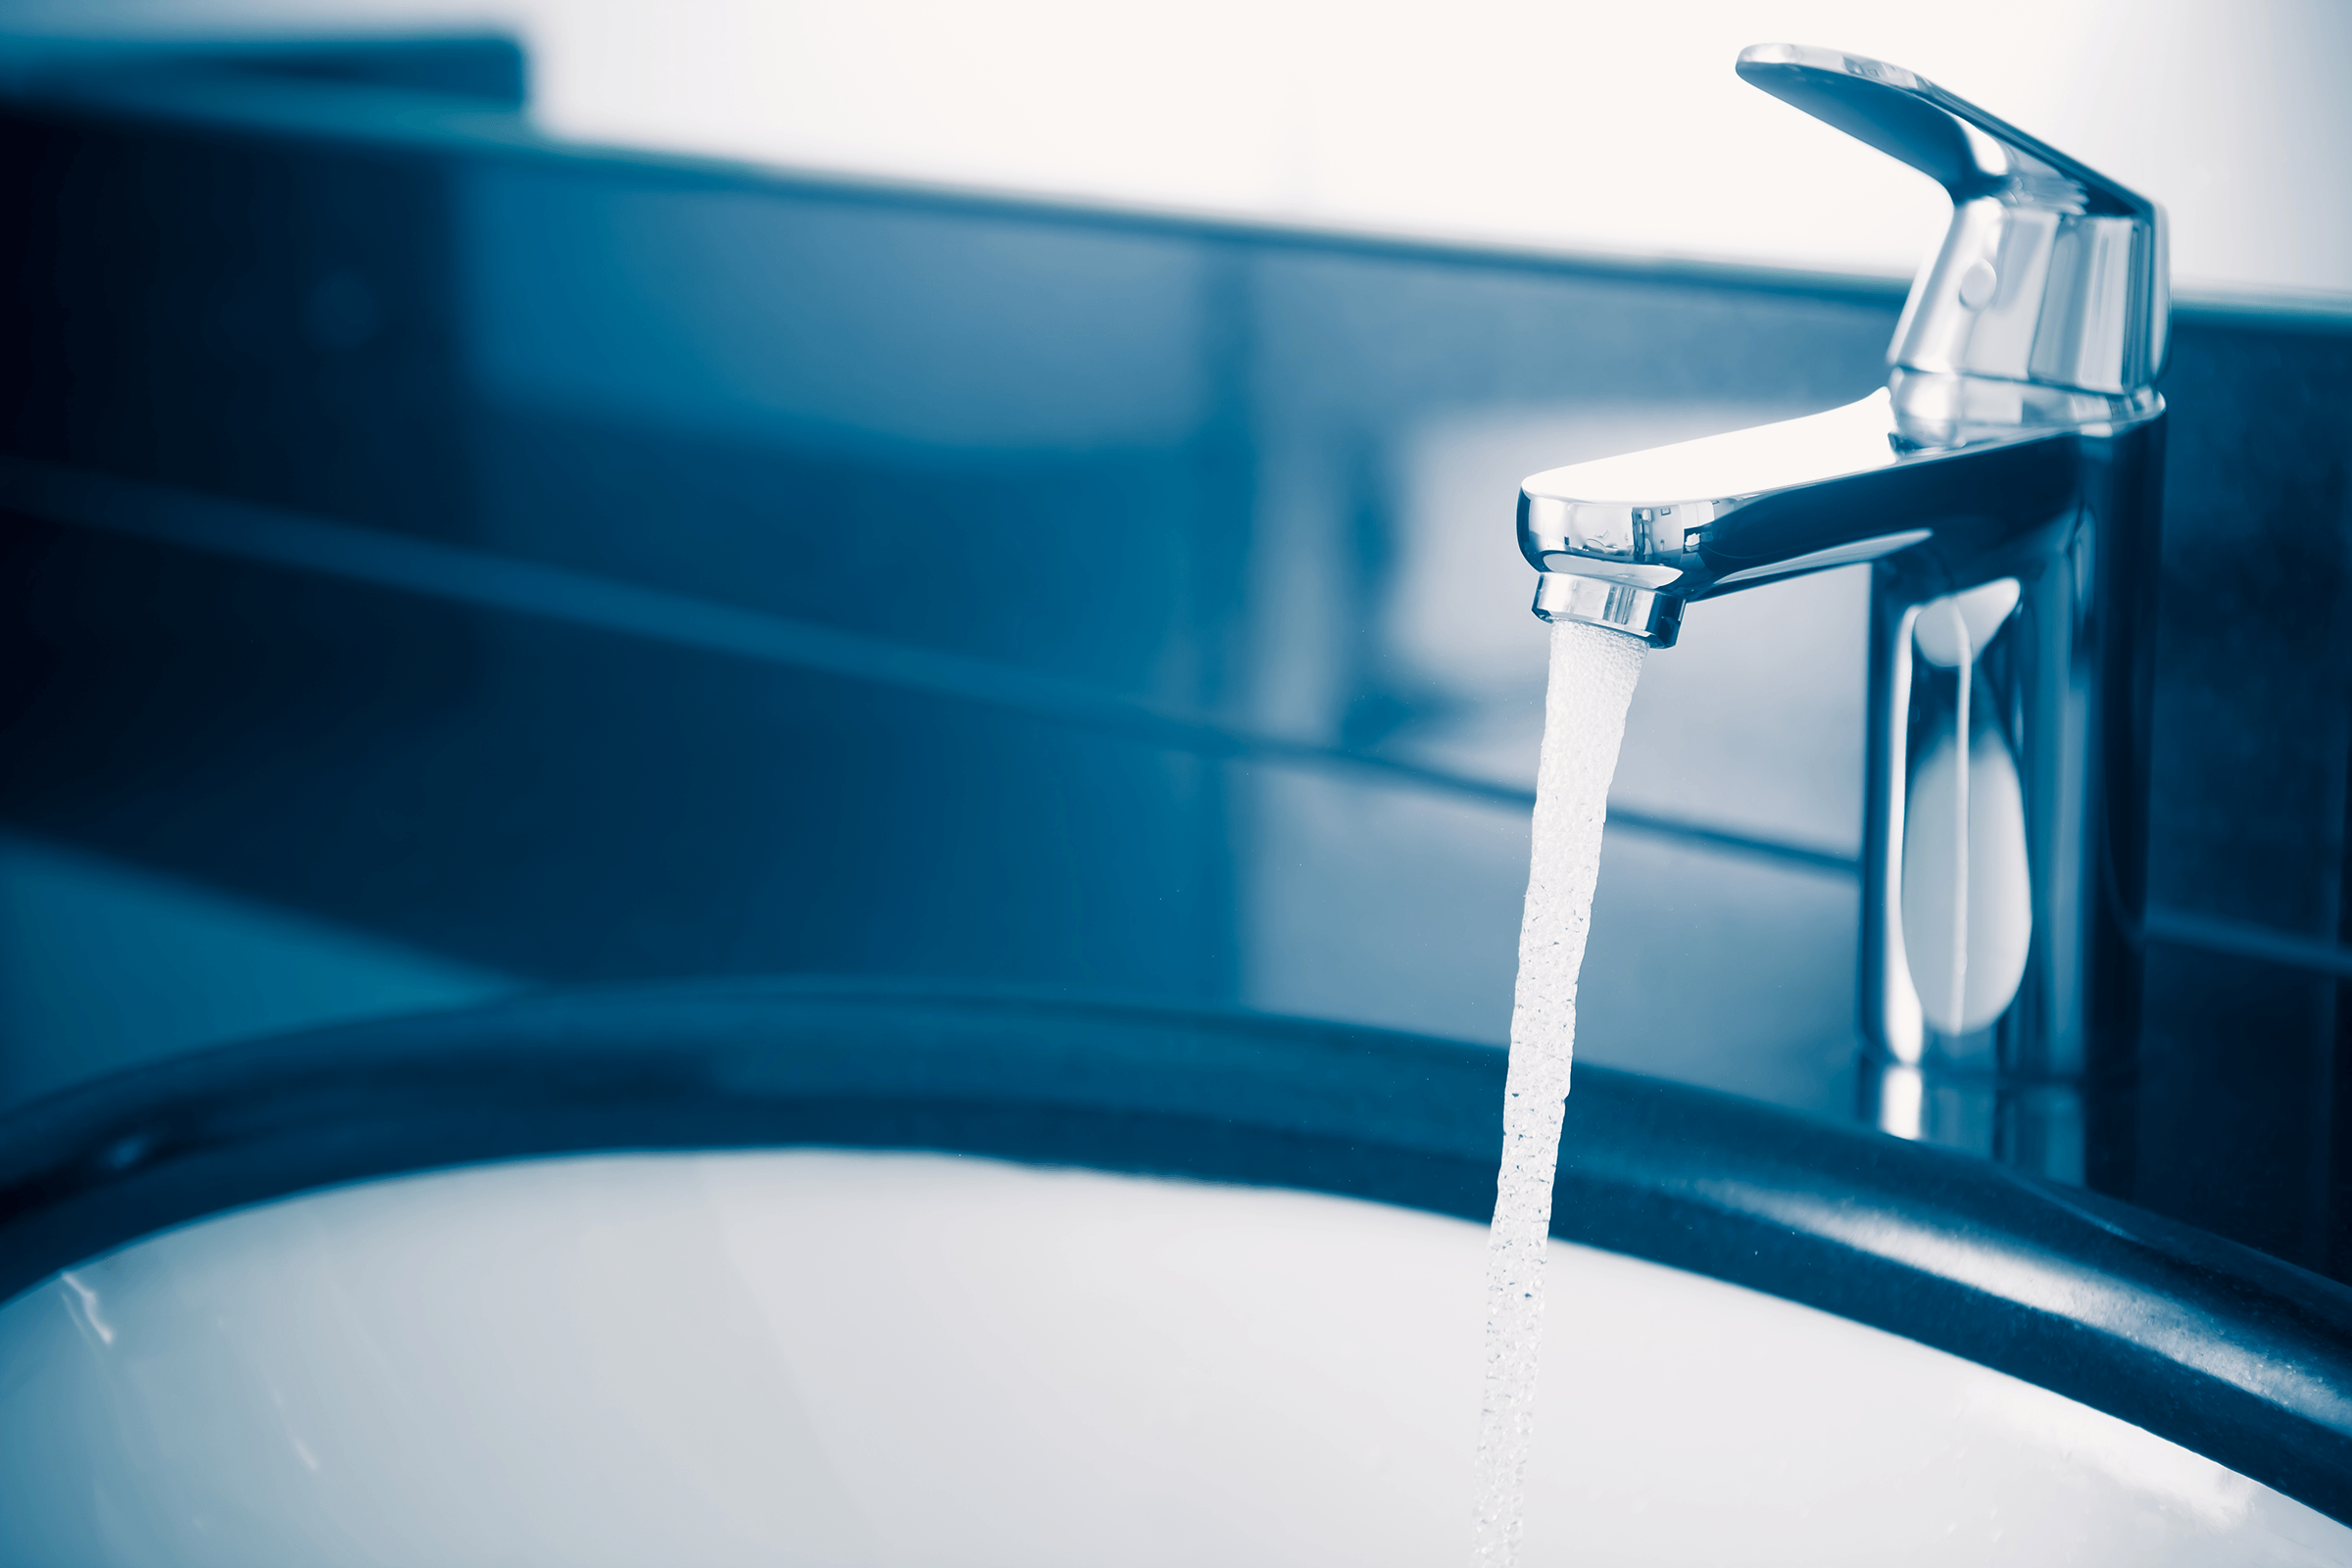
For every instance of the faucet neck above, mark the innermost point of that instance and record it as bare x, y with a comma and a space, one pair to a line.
1935, 411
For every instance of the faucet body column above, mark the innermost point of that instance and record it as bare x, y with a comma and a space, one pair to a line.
2005, 878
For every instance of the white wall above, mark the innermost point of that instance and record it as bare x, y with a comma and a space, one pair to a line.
1558, 123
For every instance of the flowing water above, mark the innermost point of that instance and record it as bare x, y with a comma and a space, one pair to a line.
1590, 686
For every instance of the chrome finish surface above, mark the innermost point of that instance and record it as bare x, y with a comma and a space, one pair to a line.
2006, 483
1595, 600
2050, 272
1936, 409
2004, 839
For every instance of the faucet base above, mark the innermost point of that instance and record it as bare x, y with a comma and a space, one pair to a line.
1654, 617
2034, 1123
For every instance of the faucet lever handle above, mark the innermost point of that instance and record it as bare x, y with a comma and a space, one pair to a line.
2051, 272
1968, 152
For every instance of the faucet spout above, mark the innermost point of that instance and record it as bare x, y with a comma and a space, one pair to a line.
1626, 542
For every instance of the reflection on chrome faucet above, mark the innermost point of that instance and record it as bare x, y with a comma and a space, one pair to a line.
2007, 485
1966, 909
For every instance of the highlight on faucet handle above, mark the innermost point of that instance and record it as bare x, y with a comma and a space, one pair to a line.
2051, 275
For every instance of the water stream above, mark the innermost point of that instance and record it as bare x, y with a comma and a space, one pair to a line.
1590, 686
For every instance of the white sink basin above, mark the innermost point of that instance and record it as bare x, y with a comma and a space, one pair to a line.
1000, 1280
829, 1357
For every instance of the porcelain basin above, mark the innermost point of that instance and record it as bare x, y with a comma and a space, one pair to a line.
855, 1341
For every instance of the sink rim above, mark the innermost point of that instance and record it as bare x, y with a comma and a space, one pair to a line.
2228, 1353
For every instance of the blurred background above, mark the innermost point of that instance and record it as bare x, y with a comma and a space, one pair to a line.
580, 492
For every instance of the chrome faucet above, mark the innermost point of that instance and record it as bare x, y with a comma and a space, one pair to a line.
2007, 485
